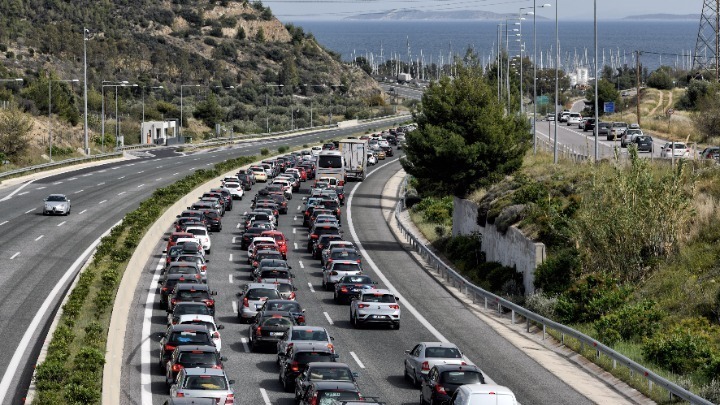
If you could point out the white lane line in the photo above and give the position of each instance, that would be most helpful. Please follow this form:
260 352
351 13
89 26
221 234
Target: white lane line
23 193
82 212
39 188
231 257
302 266
131 164
102 171
294 230
141 185
230 278
11 370
15 255
175 174
234 239
141 171
61 223
145 353
234 305
265 396
102 202
57 182
299 207
357 360
295 218
312 289
29 211
101 184
87 175
159 167
295 244
196 159
39 237
238 225
328 318
244 341
122 192
121 177
78 192
72 178
158 179
115 168
192 168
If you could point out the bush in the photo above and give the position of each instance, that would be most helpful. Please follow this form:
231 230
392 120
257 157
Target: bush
264 151
590 298
436 210
283 149
542 304
558 272
630 323
685 348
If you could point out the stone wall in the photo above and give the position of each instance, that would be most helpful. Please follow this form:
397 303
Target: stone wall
511 249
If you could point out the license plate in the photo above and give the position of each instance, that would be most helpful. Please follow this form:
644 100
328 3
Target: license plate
276 333
379 316
258 306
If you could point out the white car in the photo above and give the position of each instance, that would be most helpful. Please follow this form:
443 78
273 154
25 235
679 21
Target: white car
285 183
56 204
231 179
679 150
259 239
371 159
338 269
375 307
303 335
237 191
260 174
425 355
574 119
181 241
207 321
315 150
202 235
483 394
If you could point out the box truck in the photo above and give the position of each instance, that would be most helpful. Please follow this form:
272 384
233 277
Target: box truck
354 153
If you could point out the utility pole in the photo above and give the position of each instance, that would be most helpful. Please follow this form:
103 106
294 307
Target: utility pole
637 85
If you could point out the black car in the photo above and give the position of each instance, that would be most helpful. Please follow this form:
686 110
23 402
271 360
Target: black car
268 328
323 371
177 335
293 307
442 381
249 235
319 230
321 243
185 292
388 150
349 287
168 285
191 356
589 124
298 359
321 392
214 221
644 143
227 197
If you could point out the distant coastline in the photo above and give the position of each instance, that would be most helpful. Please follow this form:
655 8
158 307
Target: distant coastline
664 17
420 15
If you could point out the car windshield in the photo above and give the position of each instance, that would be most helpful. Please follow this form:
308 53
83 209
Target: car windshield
309 357
443 352
461 377
189 338
273 263
173 282
331 397
274 274
192 309
346 267
56 198
356 279
345 255
274 255
197 358
182 270
257 293
330 373
283 306
277 321
197 232
309 334
644 139
192 294
205 382
384 298
283 287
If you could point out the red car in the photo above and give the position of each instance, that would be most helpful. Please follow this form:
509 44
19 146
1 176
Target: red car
279 239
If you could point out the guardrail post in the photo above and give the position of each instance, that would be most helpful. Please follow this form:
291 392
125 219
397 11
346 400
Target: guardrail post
650 384
499 308
562 338
527 324
485 303
614 364
544 332
512 317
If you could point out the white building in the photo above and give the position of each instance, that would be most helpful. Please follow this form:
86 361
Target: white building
579 77
158 132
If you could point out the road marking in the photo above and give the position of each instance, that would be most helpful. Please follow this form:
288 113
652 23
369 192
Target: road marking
61 223
102 202
121 177
87 175
141 171
234 239
243 340
39 188
230 278
82 212
294 230
78 192
15 255
102 171
231 257
175 174
115 168
159 167
23 193
296 246
39 237
295 218
234 305
299 207
265 396
357 360
57 182
72 178
101 184
312 289
302 266
29 211
145 354
196 159
238 225
158 179
141 185
131 164
328 318
122 192
208 164
192 168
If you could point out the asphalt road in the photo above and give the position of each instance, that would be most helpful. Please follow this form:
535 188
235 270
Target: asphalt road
376 354
39 250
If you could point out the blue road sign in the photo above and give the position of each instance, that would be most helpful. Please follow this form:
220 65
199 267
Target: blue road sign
609 107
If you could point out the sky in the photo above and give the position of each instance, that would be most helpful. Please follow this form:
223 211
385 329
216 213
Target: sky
298 10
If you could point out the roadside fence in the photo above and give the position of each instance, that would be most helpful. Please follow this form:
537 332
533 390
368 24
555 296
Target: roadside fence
59 163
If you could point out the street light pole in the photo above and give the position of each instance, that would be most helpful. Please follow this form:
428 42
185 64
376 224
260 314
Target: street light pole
50 82
595 67
267 105
142 91
557 67
181 105
85 97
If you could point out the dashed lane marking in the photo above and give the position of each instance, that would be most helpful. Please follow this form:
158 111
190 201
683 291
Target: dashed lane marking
15 255
29 211
82 212
102 202
357 360
39 237
330 321
61 223
302 266
265 396
312 289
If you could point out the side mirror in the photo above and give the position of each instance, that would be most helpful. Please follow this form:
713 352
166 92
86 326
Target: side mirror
397 298
303 311
177 216
160 281
166 239
207 260
164 250
290 267
213 293
238 294
295 289
356 375
332 338
223 358
221 327
231 382
374 282
337 356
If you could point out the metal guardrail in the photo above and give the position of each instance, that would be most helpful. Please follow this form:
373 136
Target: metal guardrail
479 295
51 165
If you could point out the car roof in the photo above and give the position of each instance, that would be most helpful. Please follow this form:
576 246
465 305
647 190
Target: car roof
197 348
188 286
340 385
273 313
187 328
479 388
260 285
376 291
457 367
196 317
313 328
438 344
327 364
204 371
190 401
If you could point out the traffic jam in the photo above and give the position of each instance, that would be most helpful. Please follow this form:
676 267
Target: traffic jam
304 189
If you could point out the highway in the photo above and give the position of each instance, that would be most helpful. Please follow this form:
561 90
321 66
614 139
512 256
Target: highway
39 250
375 353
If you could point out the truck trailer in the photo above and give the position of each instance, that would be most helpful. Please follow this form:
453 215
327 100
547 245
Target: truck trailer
354 153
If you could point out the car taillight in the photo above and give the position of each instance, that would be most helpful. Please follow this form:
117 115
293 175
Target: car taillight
169 348
217 367
425 366
180 395
301 319
246 303
176 368
258 331
440 389
313 236
343 289
364 306
329 260
292 296
295 366
209 303
394 306
164 289
314 400
216 335
173 301
229 399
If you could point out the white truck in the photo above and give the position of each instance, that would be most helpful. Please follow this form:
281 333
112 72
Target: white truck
404 77
354 153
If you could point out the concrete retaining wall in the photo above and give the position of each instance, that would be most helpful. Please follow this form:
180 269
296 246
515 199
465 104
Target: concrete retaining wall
511 249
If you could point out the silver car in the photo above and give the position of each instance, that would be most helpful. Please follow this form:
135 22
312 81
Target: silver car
253 297
298 335
335 270
425 355
56 204
203 383
375 307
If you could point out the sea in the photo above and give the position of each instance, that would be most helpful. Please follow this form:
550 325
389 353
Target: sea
669 43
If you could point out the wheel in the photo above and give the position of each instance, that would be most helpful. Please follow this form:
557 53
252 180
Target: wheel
324 285
335 298
406 376
397 325
207 251
286 386
422 399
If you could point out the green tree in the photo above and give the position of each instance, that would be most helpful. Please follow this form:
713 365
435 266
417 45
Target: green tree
660 79
696 91
14 128
706 117
209 111
464 140
606 93
260 36
288 74
363 63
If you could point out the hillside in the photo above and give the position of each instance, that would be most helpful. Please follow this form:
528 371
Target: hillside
231 49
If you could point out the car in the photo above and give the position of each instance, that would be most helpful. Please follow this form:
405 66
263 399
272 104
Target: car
189 269
378 307
204 320
444 379
224 194
349 287
196 258
581 124
589 125
319 230
184 292
250 234
550 117
286 305
177 335
634 126
674 149
280 239
371 159
268 328
297 359
201 234
272 275
321 392
56 204
167 286
563 116
604 130
187 308
258 241
629 137
343 253
172 254
644 143
298 335
426 355
617 130
711 152
204 383
323 371
335 270
483 394
237 190
327 245
266 254
315 150
192 356
573 118
252 299
260 173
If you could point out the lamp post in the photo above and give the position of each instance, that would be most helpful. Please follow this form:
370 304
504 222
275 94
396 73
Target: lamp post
267 105
341 85
114 84
535 75
142 91
181 106
85 97
50 82
522 49
311 101
557 70
595 67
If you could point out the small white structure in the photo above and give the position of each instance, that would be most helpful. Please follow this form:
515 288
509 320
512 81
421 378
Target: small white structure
579 77
158 132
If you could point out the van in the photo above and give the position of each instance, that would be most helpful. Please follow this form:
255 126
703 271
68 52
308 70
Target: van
483 394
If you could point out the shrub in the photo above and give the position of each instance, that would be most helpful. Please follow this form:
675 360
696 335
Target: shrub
283 149
264 151
630 322
590 298
542 304
558 272
685 348
81 394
